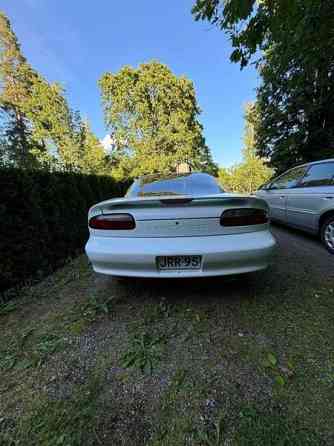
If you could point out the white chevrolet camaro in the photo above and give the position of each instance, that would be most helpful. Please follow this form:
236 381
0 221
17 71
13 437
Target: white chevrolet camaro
179 226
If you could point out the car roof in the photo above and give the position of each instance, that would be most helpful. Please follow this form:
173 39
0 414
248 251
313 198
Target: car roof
311 163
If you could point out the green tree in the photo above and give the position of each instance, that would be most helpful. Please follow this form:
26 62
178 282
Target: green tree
252 172
38 128
153 116
93 158
50 116
293 44
36 112
16 135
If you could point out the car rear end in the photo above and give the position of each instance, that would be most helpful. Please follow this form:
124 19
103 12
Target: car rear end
180 236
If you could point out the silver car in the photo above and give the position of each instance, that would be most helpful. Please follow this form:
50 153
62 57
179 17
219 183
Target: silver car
303 197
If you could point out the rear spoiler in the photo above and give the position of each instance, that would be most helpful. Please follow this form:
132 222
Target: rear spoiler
182 200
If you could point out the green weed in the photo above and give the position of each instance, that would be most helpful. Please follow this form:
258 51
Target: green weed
212 437
7 308
144 352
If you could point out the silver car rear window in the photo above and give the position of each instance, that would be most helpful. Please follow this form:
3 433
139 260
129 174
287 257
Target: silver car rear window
188 184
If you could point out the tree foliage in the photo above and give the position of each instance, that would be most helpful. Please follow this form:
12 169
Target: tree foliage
153 116
38 128
93 158
293 41
252 172
15 135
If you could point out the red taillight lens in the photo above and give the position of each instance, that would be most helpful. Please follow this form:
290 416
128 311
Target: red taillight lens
243 217
112 221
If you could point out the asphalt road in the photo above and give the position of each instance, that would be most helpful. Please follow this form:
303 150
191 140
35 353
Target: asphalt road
305 252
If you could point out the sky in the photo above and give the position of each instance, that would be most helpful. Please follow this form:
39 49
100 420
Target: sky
74 42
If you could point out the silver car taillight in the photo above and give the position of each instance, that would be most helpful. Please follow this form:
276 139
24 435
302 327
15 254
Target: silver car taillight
243 217
112 222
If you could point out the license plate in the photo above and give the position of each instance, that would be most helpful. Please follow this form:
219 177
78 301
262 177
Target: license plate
179 262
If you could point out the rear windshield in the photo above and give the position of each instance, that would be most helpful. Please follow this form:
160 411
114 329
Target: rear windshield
191 184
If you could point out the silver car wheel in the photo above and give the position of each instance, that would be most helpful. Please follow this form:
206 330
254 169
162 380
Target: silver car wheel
329 235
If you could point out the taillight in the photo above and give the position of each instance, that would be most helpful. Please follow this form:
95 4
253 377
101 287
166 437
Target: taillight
112 221
243 217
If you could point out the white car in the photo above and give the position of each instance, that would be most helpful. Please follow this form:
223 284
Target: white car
179 226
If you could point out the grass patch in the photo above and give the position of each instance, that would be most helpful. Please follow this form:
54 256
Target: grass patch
156 311
144 352
182 420
84 313
272 428
175 423
214 436
7 308
95 306
30 351
222 363
69 422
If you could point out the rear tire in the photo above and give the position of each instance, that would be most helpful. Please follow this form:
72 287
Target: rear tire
327 234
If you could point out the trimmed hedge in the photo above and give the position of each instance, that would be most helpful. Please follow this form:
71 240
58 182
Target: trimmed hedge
43 219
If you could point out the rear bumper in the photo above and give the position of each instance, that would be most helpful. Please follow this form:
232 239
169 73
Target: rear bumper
221 255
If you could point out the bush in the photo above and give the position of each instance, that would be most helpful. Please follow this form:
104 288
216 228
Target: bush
43 219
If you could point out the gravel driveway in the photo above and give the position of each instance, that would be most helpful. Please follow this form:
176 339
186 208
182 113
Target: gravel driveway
165 361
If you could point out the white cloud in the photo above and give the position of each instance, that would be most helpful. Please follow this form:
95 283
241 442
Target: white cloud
108 143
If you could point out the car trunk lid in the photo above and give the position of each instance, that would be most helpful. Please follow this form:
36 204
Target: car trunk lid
179 216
